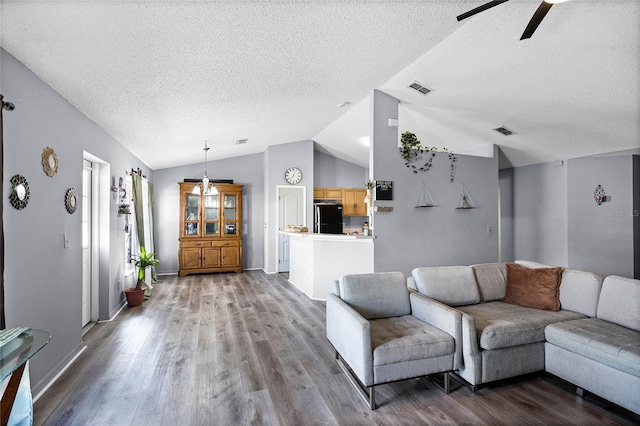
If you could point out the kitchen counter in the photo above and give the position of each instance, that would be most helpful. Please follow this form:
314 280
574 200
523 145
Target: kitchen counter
328 236
317 260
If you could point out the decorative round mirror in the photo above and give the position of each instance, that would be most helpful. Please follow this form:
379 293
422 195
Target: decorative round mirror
49 162
19 196
71 200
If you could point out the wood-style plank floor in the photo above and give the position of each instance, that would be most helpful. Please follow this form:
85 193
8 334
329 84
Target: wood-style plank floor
240 349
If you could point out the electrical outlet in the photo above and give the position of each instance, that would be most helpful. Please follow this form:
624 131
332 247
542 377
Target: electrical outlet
491 229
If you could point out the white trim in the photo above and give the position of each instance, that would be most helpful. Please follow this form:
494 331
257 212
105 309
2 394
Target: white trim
60 373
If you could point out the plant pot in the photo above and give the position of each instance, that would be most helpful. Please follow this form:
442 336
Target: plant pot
134 297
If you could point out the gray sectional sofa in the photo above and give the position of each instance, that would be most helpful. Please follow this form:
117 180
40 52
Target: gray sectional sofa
593 340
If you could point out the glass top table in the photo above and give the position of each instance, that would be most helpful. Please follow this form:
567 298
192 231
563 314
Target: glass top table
18 351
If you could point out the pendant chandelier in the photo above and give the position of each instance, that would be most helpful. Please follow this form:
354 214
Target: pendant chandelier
205 187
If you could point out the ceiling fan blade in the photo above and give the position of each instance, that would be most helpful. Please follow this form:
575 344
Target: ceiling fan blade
480 9
536 19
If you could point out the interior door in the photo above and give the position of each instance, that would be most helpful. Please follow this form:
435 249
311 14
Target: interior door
290 212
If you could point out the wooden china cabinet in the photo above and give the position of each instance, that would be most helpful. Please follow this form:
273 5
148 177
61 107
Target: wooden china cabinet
210 229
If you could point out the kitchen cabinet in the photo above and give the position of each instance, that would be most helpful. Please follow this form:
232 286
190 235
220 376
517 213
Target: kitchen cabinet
327 194
210 229
353 202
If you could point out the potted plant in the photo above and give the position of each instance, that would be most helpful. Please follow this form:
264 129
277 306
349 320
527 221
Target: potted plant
411 151
135 295
369 185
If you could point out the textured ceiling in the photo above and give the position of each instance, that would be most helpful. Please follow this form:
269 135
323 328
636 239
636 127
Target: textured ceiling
163 76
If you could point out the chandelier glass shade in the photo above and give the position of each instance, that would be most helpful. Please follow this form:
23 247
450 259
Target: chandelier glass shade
205 187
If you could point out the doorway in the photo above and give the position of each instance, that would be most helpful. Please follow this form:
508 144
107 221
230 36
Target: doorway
291 211
93 218
87 276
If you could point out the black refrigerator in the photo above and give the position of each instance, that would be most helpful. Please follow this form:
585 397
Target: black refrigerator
327 218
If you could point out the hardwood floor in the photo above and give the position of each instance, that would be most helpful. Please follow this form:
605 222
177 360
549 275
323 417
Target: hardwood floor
239 349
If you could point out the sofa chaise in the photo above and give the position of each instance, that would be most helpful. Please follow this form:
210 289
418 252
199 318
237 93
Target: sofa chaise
524 317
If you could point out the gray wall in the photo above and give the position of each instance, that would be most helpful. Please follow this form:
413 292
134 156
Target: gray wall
601 237
409 237
278 158
246 170
42 279
555 219
540 213
506 227
331 172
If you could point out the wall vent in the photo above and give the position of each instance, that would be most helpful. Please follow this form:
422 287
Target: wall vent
420 88
504 130
241 141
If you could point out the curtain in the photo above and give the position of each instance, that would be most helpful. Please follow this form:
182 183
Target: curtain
2 321
138 207
144 210
154 274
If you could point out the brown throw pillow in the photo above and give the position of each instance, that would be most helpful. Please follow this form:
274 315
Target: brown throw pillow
534 288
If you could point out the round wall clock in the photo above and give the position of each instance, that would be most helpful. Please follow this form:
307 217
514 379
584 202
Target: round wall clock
71 200
49 162
293 175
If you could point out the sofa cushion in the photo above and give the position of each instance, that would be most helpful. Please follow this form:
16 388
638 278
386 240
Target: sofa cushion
532 265
406 338
579 291
599 340
452 285
492 280
376 295
534 288
502 325
620 301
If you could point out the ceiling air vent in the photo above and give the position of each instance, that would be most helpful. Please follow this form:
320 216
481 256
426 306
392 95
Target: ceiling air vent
241 141
504 130
420 88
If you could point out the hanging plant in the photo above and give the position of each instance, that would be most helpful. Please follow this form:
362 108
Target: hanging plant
412 150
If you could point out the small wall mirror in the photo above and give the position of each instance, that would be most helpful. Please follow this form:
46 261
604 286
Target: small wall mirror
19 196
49 162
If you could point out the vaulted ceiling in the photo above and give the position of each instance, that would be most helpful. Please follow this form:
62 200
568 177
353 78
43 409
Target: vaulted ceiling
162 77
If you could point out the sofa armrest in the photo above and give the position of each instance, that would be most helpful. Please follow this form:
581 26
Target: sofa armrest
350 334
471 356
440 316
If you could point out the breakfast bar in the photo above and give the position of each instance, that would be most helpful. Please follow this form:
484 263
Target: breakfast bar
317 260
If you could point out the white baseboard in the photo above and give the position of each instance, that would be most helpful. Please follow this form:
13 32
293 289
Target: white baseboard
60 373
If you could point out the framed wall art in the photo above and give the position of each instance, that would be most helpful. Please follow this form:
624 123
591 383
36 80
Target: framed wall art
384 190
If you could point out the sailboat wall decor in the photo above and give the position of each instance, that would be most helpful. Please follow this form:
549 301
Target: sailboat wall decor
424 198
465 202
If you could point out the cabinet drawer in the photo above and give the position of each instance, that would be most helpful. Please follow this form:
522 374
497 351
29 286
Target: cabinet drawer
196 244
232 243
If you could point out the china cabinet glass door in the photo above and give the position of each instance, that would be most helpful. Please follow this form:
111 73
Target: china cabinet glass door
211 215
192 214
230 214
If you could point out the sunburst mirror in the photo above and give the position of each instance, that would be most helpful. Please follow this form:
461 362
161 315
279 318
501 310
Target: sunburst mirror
19 196
71 200
49 162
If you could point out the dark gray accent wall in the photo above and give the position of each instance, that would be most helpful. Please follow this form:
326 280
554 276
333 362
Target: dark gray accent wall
601 237
42 278
246 170
410 237
331 172
540 213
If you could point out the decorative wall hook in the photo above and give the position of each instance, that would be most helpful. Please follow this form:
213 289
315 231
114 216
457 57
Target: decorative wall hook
599 195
